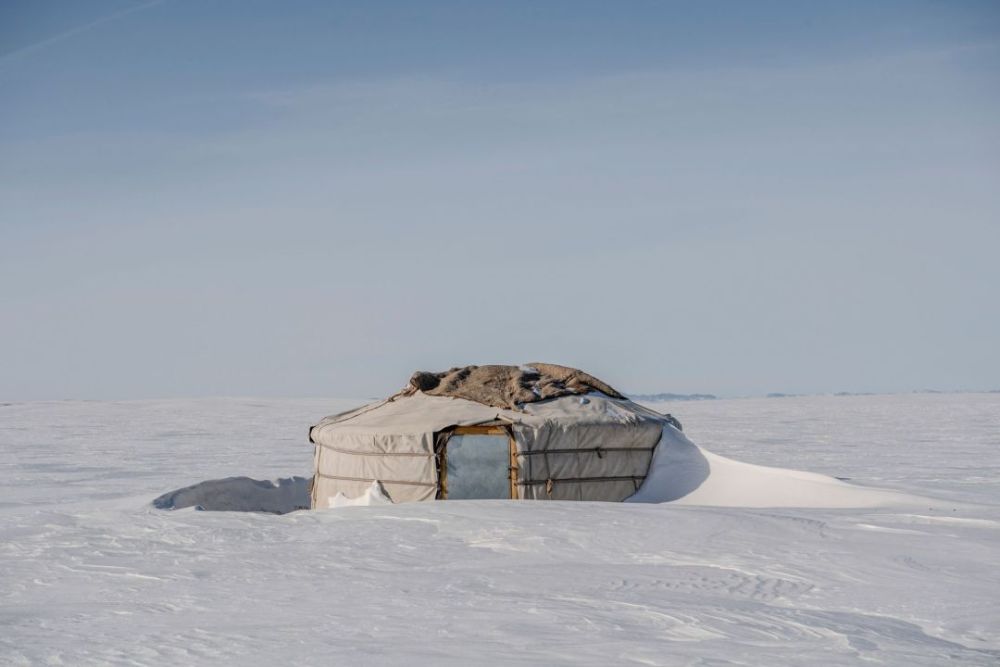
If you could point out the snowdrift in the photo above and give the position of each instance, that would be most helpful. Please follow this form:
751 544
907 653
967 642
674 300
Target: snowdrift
685 474
374 495
240 494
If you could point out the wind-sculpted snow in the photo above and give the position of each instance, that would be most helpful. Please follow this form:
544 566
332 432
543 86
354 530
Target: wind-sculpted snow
92 573
683 473
373 495
240 494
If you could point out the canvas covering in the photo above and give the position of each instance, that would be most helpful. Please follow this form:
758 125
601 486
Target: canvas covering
572 447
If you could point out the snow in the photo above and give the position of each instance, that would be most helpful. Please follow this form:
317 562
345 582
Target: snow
92 573
240 494
685 474
373 495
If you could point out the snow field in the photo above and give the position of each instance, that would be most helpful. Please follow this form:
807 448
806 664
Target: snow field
92 573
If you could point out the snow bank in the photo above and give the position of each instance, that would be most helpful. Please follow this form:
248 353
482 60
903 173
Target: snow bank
240 494
685 474
373 495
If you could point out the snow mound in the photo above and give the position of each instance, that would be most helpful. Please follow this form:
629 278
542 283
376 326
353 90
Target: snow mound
684 474
373 495
240 494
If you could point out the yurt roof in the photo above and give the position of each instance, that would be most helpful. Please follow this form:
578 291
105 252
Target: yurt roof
573 401
509 387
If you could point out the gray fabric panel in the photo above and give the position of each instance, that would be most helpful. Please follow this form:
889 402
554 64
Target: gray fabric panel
410 415
581 410
607 490
395 468
400 493
340 471
640 433
421 413
571 465
545 463
379 465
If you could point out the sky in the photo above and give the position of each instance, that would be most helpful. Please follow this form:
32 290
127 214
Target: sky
263 198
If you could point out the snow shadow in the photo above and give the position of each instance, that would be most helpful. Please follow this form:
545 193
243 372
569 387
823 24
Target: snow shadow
240 494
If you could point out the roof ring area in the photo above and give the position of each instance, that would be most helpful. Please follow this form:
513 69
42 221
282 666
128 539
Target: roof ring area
507 387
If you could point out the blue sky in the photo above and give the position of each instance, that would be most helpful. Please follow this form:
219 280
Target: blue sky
298 198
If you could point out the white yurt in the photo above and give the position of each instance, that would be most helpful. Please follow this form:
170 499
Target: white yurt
532 432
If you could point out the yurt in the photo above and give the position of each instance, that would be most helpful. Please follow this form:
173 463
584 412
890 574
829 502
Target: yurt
532 432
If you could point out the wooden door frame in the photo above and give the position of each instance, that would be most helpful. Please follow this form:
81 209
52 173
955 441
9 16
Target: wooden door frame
480 429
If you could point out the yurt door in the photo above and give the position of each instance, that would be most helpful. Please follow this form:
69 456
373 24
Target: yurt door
477 464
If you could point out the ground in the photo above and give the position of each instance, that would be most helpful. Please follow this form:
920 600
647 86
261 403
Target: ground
92 573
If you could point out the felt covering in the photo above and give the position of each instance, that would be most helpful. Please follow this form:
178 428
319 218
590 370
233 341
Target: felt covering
574 445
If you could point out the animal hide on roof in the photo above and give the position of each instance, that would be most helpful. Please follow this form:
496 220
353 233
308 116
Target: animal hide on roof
507 386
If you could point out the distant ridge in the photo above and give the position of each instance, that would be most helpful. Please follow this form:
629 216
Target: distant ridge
668 396
672 397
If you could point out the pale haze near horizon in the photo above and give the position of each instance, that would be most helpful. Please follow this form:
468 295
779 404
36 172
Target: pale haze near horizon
289 199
